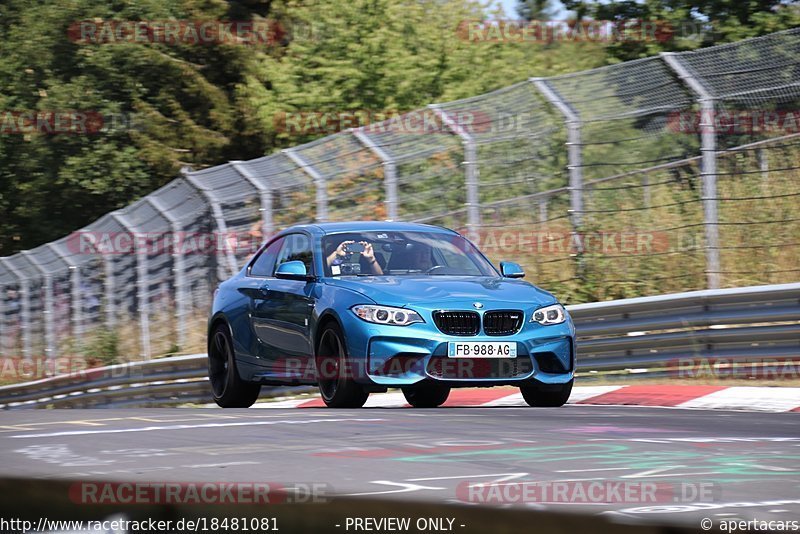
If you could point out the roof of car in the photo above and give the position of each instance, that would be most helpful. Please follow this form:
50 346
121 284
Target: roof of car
370 226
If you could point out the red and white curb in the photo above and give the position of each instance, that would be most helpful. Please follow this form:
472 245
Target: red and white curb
762 399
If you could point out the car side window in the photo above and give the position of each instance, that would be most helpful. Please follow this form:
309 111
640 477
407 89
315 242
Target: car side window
265 262
458 261
296 247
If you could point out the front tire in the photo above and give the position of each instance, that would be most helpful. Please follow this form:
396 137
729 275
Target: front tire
544 397
337 388
228 389
426 396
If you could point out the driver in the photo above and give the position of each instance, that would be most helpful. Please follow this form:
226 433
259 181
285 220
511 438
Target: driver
369 262
419 257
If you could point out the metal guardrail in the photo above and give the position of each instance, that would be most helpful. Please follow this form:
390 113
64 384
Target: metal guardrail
646 336
750 323
161 382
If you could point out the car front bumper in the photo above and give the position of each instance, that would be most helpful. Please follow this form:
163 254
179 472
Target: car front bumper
393 356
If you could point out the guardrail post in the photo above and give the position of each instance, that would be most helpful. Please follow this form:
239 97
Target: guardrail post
226 251
47 312
470 166
265 196
389 172
178 267
25 308
142 282
574 154
708 171
319 182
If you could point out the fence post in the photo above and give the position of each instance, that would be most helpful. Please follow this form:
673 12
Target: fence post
3 336
24 309
763 164
265 197
543 210
219 220
319 182
74 293
389 172
109 288
142 282
47 311
574 154
178 267
708 170
470 166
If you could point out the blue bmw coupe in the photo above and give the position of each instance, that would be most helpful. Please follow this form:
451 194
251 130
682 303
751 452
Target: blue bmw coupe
361 307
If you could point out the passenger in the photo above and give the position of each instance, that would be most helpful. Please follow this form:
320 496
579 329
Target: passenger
369 263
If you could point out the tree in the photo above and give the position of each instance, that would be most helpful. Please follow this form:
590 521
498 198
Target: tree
388 56
154 107
689 24
535 9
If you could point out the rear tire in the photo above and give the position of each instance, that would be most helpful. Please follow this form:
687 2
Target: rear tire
538 397
426 396
337 388
227 388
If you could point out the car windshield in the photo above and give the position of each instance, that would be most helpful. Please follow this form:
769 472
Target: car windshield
402 253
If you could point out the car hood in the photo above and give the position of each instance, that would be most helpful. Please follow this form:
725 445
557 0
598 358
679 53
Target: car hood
433 292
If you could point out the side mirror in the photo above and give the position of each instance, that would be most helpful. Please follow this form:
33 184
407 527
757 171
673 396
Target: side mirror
292 270
509 269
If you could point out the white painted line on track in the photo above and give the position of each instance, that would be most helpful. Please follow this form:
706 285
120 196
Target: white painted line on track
749 398
288 403
515 399
189 427
587 392
394 399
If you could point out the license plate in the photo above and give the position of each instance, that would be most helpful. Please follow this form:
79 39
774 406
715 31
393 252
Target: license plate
481 349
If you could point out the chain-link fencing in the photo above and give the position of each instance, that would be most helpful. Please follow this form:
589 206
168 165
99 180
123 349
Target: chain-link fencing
669 173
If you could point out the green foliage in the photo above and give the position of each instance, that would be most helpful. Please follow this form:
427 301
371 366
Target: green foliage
536 9
101 348
164 106
690 24
384 55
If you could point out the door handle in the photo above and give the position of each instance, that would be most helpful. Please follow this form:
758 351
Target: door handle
260 292
263 291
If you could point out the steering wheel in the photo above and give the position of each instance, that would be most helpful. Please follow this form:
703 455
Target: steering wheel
435 268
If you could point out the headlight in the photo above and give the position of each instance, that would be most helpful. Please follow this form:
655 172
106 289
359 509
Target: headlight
387 315
548 315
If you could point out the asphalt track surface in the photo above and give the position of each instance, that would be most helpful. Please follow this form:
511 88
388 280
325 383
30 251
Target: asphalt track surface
748 464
